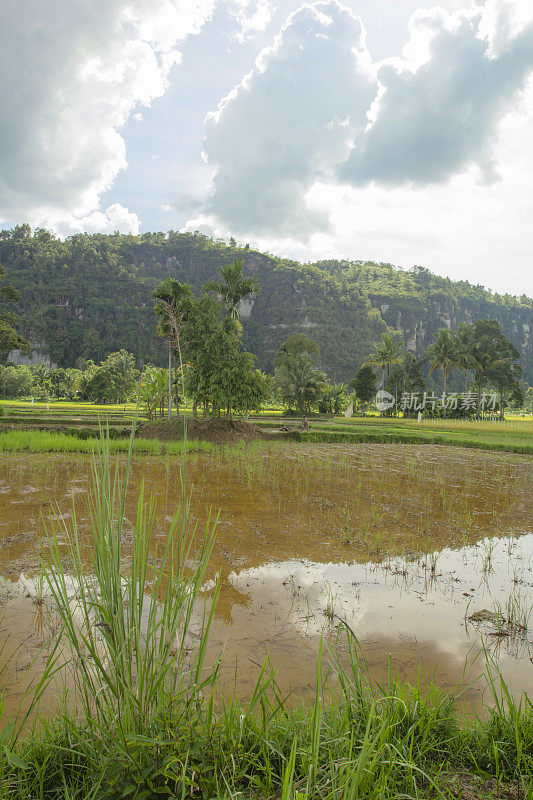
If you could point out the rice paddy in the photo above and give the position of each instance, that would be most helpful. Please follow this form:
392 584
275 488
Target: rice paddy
359 624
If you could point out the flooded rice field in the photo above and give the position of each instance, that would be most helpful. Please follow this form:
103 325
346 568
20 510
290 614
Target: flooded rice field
425 552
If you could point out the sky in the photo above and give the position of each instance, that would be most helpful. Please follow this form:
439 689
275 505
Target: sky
358 129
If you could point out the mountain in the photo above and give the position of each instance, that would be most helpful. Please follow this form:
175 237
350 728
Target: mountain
90 295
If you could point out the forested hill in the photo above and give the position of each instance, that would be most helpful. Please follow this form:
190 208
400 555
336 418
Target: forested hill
90 295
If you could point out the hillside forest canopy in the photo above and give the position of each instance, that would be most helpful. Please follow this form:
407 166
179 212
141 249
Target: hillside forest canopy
208 362
80 305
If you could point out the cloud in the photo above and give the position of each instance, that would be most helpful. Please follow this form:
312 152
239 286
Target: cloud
114 218
252 16
290 122
439 117
316 110
72 73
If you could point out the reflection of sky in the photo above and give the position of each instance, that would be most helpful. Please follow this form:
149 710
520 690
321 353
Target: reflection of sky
401 600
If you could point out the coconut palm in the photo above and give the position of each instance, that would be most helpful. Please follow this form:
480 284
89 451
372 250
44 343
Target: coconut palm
442 354
391 350
233 288
153 389
300 382
465 345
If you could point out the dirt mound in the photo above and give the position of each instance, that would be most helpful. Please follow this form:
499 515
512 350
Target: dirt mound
217 431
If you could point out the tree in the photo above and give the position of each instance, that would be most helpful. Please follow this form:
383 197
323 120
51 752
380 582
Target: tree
442 354
364 385
465 341
300 383
333 398
173 299
10 338
233 288
153 389
390 350
295 373
15 381
296 345
505 376
113 381
220 374
496 358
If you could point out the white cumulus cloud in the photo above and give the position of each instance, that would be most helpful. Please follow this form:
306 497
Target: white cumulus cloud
440 117
71 74
317 111
290 122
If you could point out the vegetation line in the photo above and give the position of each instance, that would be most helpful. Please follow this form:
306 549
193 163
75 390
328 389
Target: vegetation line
408 437
48 442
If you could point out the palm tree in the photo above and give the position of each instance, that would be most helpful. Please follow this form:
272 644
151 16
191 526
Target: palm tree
153 389
442 354
172 298
391 350
300 382
387 352
465 345
233 288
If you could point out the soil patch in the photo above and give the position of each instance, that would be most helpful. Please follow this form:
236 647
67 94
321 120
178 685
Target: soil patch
216 431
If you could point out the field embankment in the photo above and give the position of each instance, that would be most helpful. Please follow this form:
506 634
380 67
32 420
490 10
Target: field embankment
514 437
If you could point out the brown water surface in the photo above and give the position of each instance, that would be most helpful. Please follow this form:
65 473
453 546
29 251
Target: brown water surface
402 542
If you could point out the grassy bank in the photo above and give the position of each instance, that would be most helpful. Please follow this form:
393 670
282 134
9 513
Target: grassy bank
48 442
150 721
514 437
393 742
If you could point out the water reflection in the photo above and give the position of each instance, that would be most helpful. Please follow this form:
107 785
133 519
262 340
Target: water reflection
402 542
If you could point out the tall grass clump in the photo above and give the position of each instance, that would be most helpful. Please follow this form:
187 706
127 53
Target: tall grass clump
126 636
127 631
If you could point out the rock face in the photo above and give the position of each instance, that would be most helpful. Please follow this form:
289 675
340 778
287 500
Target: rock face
36 357
418 325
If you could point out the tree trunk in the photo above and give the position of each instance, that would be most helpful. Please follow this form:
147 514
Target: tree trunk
169 381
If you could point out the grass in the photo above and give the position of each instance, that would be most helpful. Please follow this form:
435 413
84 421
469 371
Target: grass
148 721
515 436
48 442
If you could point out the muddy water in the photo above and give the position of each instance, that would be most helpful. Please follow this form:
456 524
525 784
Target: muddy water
403 543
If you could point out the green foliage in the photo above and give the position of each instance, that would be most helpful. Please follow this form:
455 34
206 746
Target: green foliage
297 345
300 383
51 442
15 381
364 385
10 337
233 288
219 373
113 381
443 354
90 295
389 351
333 398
